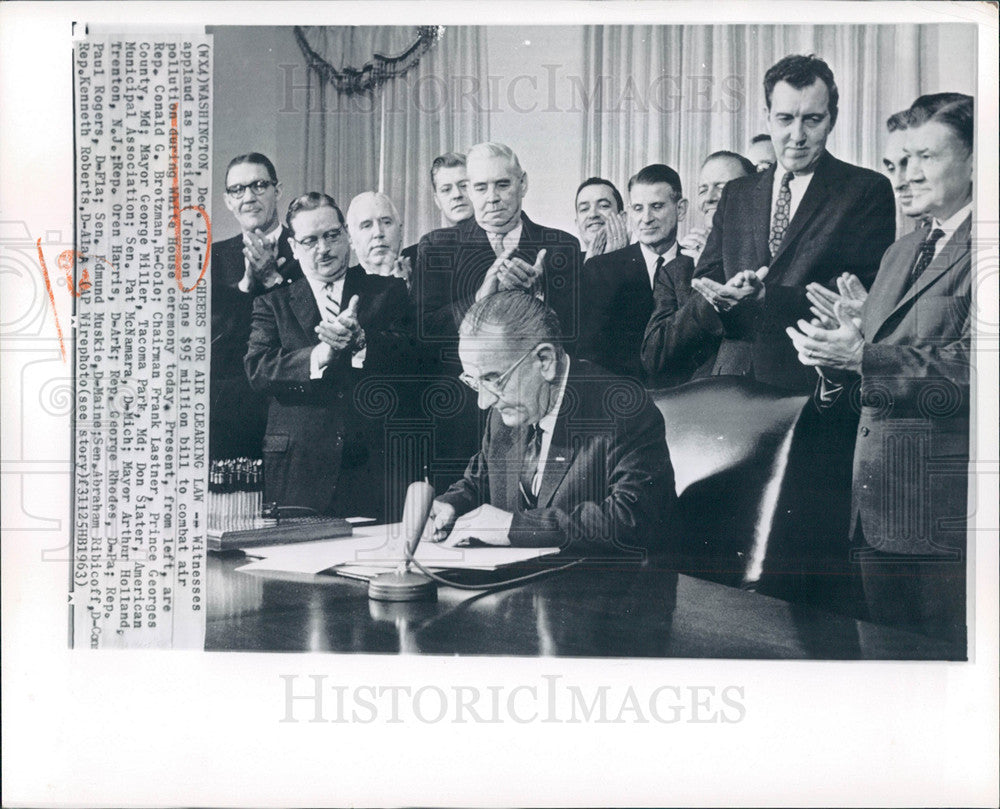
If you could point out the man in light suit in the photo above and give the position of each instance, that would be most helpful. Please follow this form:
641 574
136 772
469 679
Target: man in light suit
909 340
809 218
257 260
312 342
618 286
571 457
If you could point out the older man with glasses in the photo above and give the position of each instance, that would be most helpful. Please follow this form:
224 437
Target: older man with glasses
571 457
256 260
312 343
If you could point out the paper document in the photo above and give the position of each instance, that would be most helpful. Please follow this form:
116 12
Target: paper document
382 546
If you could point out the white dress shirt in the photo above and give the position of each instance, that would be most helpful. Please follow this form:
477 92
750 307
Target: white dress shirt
797 186
949 226
505 241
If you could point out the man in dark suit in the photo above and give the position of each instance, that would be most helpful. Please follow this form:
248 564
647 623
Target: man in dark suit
499 249
571 456
255 261
808 218
312 342
676 349
618 286
910 345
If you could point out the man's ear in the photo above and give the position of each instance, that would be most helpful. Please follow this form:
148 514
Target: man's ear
277 190
524 183
548 358
682 209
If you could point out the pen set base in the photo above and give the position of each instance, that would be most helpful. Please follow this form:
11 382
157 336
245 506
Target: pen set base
402 586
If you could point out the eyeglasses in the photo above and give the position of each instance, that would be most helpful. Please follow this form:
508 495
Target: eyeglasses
331 236
495 383
257 186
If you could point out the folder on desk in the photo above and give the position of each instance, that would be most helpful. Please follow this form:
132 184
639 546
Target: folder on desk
379 548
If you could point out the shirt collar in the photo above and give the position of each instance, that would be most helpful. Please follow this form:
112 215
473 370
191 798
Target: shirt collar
512 238
951 224
650 257
318 287
272 236
547 423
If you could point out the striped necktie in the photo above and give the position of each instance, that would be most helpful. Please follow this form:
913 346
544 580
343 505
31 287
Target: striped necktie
332 305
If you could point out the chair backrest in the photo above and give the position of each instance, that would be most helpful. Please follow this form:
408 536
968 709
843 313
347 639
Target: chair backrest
729 440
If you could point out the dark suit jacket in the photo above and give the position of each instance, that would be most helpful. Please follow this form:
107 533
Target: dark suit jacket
676 349
608 486
619 301
912 451
844 223
315 428
452 263
237 415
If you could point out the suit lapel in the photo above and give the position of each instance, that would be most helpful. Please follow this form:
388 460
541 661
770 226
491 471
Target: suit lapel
954 251
558 462
815 196
760 211
303 306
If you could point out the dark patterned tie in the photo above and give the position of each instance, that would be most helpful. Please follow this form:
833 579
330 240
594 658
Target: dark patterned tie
779 224
529 467
926 253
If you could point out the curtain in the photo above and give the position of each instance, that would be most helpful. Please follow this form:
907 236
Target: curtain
386 138
674 94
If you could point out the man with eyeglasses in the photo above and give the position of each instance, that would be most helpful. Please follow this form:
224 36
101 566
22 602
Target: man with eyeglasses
312 343
571 456
256 260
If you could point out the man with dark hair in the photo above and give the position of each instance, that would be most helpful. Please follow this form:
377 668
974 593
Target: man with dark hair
600 217
571 457
312 342
619 287
761 152
253 262
450 184
716 170
775 232
910 345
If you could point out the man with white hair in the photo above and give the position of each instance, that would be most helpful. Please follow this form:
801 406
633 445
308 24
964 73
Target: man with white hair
376 231
498 249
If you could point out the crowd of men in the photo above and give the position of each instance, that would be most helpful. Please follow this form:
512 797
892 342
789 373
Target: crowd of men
796 282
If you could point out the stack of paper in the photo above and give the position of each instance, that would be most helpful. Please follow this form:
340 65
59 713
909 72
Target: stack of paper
376 548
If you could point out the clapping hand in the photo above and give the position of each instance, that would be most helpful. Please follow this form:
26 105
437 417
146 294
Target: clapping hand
840 347
261 256
744 286
343 330
852 294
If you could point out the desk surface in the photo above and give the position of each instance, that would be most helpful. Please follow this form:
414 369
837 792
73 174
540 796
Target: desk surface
586 611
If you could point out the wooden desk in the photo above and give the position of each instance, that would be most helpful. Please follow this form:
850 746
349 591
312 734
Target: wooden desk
583 612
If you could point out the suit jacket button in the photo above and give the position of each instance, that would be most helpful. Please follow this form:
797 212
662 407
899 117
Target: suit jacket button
340 395
864 431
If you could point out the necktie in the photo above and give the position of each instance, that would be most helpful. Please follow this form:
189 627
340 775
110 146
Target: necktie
529 466
332 305
779 224
656 270
926 253
498 243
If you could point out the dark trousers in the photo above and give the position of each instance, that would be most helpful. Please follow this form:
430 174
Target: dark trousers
924 594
